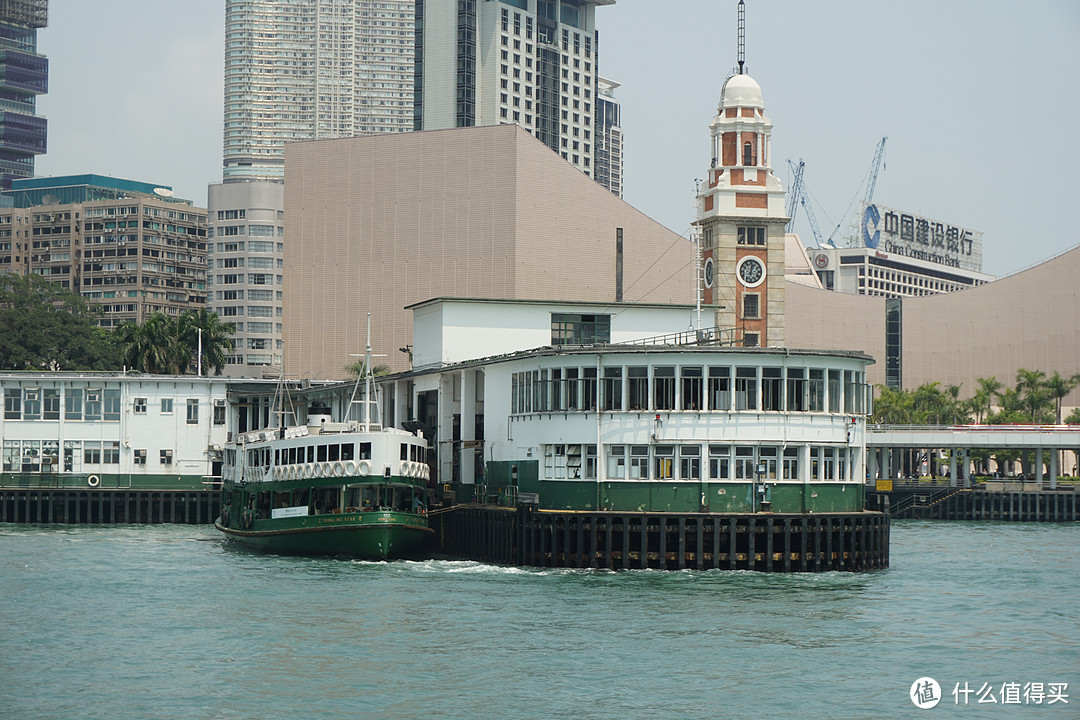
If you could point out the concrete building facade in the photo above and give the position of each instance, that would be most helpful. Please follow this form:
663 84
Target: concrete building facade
127 247
382 222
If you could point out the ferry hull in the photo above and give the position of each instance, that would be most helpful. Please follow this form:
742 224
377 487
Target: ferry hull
366 541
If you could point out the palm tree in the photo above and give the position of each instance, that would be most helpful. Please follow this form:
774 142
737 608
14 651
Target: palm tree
216 339
1031 386
983 398
151 347
1058 387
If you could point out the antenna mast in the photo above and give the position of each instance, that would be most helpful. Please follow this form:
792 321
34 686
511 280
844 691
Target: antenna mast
742 37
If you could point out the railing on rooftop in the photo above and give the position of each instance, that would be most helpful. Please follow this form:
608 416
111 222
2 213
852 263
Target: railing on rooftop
704 336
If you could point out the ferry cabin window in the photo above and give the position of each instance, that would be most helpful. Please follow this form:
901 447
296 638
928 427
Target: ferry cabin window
365 451
746 388
404 451
320 455
335 453
637 388
612 389
310 453
816 401
719 461
719 388
772 384
690 389
664 388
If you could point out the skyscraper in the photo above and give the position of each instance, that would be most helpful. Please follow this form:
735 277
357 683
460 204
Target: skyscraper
24 74
528 62
311 69
609 150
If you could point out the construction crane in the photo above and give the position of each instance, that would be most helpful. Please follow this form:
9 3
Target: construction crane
797 196
875 165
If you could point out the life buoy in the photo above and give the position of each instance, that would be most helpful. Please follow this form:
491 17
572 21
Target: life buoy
365 468
316 470
338 469
93 481
404 469
350 468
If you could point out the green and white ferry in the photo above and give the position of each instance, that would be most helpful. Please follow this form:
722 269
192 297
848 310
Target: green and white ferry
350 488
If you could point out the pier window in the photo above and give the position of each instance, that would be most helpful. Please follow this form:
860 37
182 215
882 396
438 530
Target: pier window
111 404
558 390
50 400
815 463
767 459
834 391
573 402
791 463
166 406
50 456
12 456
192 411
829 462
111 452
165 458
796 389
93 405
32 404
637 388
690 387
690 462
574 329
772 389
72 450
219 412
841 463
639 462
588 388
589 454
664 387
73 404
13 404
816 390
31 456
139 406
616 462
719 388
849 391
92 452
665 462
744 463
612 389
719 461
746 391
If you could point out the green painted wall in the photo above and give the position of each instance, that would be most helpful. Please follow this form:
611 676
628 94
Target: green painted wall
105 480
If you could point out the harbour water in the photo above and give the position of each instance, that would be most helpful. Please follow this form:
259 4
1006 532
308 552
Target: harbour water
169 621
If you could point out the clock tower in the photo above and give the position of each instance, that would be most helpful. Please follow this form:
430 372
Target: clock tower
741 216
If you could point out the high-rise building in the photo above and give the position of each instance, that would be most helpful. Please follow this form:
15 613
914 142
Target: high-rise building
24 74
245 278
528 62
311 69
609 144
128 247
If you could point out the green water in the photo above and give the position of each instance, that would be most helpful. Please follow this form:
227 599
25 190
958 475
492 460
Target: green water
170 622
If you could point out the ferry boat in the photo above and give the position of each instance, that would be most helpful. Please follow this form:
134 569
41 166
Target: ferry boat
349 488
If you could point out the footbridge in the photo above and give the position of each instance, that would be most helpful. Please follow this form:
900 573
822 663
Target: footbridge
887 445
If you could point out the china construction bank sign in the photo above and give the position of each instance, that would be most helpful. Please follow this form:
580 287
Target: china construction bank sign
893 231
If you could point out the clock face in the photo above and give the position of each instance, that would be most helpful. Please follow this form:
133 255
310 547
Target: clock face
751 271
709 273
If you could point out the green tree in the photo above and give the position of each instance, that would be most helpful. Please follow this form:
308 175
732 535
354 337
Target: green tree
359 369
169 346
1057 387
1031 387
43 326
983 399
1074 417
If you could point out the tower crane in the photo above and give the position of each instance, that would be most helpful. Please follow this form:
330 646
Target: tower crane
797 197
875 165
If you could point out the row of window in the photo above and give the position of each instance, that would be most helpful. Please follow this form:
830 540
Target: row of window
689 387
88 404
32 456
696 462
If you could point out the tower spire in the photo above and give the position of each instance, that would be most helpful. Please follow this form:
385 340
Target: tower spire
742 37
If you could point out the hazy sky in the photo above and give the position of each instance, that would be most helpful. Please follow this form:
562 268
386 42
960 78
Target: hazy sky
979 101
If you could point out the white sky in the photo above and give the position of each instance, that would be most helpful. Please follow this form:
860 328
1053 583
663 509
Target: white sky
979 101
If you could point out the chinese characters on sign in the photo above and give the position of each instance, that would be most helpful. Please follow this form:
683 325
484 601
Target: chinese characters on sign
921 238
1011 693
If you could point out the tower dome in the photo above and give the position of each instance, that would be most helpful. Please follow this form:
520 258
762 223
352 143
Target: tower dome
741 90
